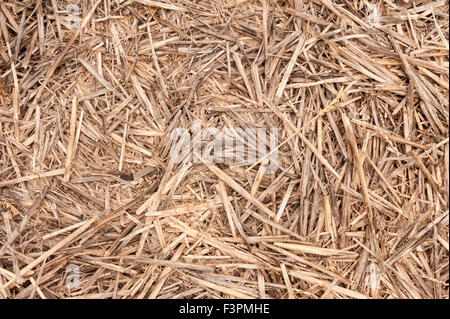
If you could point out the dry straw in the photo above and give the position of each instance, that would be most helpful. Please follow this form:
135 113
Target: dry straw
91 205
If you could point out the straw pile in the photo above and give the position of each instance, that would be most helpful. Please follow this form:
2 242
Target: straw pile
358 91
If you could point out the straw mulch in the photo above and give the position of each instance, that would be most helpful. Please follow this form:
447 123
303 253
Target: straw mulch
360 195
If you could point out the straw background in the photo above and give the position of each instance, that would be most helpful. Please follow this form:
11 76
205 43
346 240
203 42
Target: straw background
358 207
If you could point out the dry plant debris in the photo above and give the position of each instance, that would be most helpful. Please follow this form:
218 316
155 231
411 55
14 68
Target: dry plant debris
91 91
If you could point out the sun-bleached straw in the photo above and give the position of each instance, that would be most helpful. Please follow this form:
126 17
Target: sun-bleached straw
331 106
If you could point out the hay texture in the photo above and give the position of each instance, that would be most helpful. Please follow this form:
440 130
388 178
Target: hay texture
93 206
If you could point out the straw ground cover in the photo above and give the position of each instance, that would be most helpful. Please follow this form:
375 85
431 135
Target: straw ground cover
93 206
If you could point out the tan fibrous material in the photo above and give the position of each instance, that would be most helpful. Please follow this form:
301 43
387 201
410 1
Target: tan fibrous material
92 206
